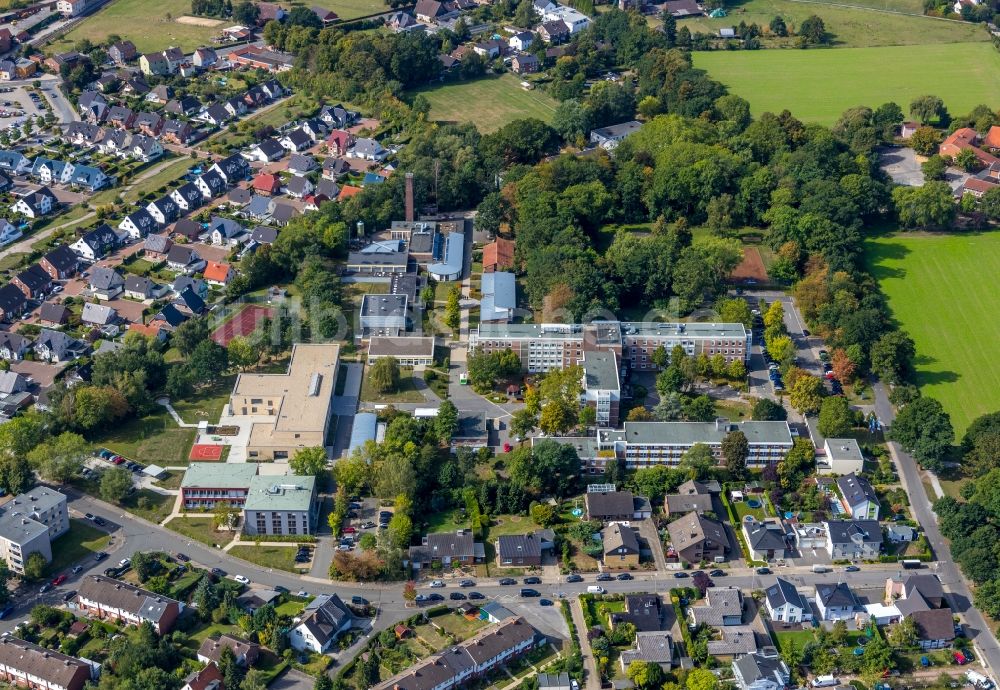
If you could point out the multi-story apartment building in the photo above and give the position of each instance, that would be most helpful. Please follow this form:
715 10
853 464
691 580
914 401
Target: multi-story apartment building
543 347
25 664
281 505
645 444
28 524
205 484
601 386
104 598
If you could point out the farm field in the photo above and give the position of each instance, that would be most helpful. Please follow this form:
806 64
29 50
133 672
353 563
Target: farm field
936 291
490 102
850 27
151 26
818 85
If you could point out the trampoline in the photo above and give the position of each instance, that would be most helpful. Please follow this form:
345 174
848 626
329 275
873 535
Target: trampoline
754 503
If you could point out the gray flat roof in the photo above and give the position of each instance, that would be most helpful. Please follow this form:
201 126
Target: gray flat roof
600 371
688 433
40 498
20 527
383 305
364 429
693 329
843 449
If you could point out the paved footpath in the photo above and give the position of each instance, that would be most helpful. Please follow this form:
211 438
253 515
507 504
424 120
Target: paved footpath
593 681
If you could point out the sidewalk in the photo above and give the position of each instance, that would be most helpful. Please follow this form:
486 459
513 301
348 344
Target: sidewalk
593 681
165 402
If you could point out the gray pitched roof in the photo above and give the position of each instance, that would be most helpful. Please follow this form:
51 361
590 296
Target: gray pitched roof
102 278
839 595
783 592
856 489
849 531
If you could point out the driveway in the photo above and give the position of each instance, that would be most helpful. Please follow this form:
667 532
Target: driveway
901 165
292 680
40 372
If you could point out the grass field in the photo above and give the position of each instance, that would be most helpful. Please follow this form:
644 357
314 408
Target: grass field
850 27
280 557
937 292
818 85
79 542
201 529
490 102
349 9
151 26
152 440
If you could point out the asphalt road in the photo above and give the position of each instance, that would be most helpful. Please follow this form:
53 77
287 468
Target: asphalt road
960 596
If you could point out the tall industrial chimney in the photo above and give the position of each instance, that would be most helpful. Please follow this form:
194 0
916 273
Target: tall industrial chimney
409 197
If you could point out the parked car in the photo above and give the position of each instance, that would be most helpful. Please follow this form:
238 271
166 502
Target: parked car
77 569
680 574
125 562
605 577
100 556
69 595
476 595
434 596
59 580
349 530
181 557
45 588
545 602
242 579
851 569
508 581
89 516
528 592
436 584
573 577
533 580
457 596
625 576
100 521
763 570
467 583
718 573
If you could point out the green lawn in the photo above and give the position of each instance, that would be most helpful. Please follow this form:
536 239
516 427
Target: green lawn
490 102
799 637
281 557
79 542
818 85
349 9
172 480
201 529
940 292
208 403
150 505
407 392
152 440
151 26
850 27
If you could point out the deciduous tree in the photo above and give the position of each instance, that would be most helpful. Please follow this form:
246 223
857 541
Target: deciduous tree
115 483
384 375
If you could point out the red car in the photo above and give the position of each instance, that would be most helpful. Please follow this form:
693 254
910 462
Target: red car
118 459
507 447
348 530
960 658
59 580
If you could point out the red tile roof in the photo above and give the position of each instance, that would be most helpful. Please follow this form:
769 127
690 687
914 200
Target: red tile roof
992 138
267 183
217 272
498 254
347 191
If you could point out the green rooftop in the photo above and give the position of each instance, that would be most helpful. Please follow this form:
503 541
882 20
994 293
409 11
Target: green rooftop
219 475
282 492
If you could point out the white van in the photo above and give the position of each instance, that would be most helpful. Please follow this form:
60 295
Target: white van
595 589
820 569
824 681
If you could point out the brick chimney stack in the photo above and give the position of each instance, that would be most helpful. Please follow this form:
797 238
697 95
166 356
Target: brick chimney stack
409 197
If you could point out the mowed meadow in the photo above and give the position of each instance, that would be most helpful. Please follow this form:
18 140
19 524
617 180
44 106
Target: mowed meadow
941 290
818 85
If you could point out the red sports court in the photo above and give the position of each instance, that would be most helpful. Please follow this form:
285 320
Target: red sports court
202 452
243 323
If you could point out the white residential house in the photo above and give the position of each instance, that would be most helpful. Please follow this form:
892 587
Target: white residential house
368 149
785 604
324 619
858 497
8 232
836 602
